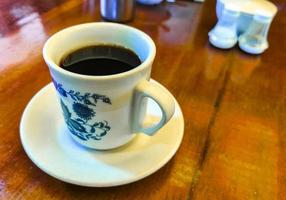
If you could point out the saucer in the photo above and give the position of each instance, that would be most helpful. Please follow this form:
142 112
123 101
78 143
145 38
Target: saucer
47 143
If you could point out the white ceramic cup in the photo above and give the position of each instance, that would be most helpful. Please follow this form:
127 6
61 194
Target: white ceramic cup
104 112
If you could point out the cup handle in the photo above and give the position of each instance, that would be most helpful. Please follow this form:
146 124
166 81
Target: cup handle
161 97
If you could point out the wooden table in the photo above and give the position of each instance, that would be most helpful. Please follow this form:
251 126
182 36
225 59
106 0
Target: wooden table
234 145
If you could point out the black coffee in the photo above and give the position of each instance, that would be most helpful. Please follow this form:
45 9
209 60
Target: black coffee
100 60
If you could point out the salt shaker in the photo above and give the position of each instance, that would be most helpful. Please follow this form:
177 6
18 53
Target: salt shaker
117 10
224 34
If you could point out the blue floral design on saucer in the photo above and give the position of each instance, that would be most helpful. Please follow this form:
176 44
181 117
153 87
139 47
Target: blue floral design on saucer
80 122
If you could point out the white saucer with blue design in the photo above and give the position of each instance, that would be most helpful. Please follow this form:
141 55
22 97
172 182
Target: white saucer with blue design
47 143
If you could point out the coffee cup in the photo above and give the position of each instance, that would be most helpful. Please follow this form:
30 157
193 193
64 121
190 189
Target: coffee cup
105 112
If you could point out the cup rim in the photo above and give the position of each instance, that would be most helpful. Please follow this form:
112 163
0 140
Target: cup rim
142 66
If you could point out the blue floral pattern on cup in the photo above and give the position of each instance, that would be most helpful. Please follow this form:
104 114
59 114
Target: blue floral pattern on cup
81 123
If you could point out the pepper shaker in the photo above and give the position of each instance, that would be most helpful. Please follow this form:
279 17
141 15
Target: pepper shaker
117 10
254 40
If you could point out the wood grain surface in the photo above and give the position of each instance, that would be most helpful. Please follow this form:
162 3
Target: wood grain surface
234 145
